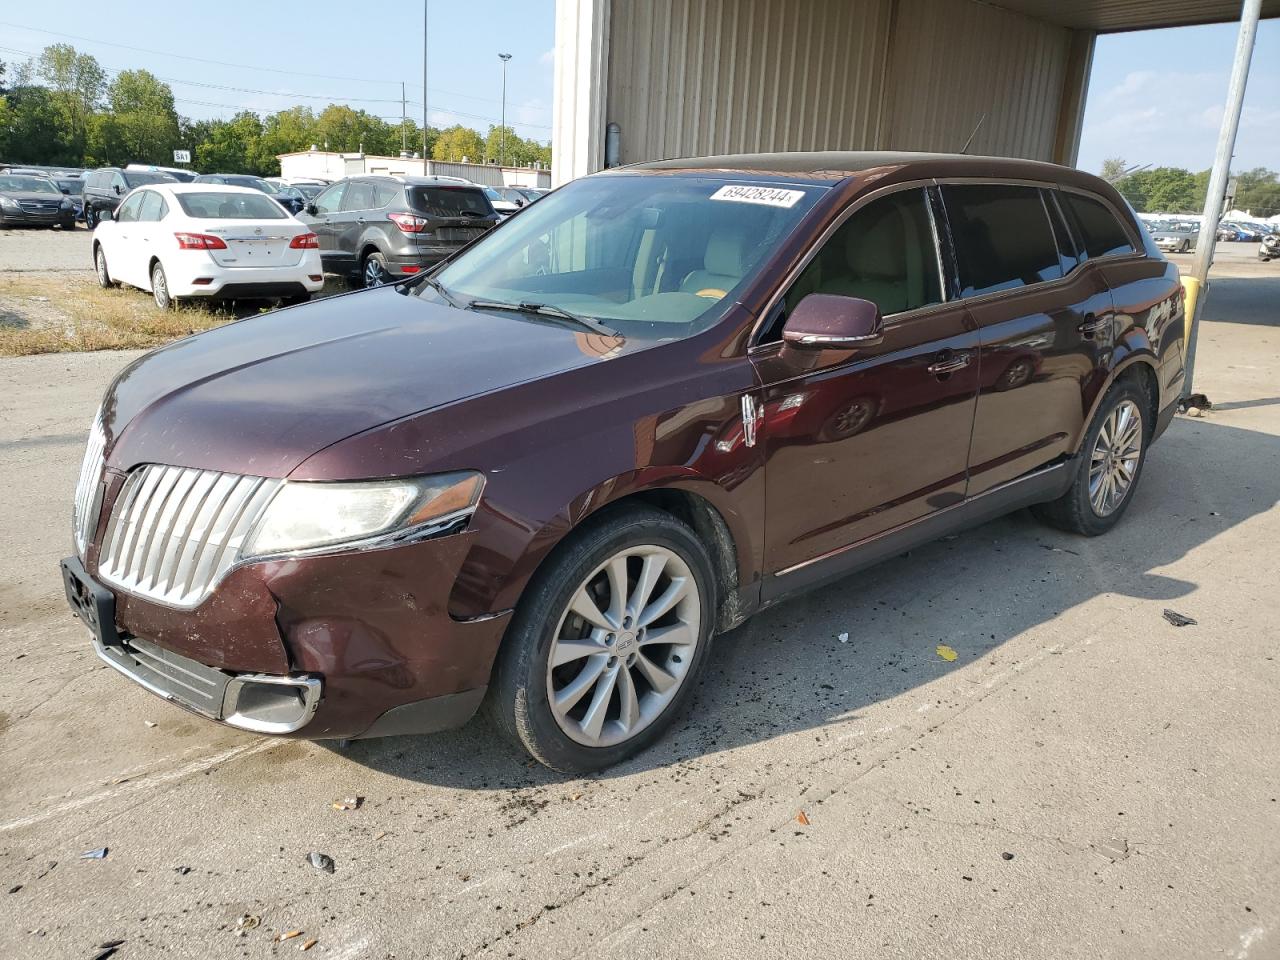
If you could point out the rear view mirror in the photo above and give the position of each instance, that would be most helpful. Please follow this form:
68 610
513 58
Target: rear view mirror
822 321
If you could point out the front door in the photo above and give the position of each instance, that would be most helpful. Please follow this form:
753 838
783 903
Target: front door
860 442
326 205
125 256
1045 322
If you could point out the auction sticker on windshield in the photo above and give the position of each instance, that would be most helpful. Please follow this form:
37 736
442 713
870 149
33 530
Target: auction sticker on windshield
770 196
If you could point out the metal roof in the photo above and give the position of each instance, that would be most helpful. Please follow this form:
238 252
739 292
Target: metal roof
1110 15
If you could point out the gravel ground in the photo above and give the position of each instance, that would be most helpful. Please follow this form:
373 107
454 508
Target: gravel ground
23 249
1084 781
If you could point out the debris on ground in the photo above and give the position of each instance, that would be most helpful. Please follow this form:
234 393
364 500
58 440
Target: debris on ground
105 952
99 854
321 861
182 871
802 819
1178 620
150 723
248 922
1117 848
844 638
1006 855
309 944
383 833
946 653
289 935
348 803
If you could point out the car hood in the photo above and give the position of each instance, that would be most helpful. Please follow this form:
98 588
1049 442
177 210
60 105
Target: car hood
261 395
33 195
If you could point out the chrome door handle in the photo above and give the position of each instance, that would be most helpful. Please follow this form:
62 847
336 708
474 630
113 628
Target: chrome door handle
1092 325
948 365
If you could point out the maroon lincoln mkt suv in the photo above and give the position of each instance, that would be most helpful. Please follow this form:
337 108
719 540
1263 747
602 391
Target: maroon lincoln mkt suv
542 476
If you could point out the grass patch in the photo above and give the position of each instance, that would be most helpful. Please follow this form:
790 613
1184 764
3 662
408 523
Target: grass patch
76 314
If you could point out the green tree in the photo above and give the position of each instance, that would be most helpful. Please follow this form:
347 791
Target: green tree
345 129
1173 190
1258 191
234 146
288 131
35 129
457 143
140 126
77 82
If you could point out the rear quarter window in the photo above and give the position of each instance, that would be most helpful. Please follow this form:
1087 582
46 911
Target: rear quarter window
1003 239
451 201
1097 227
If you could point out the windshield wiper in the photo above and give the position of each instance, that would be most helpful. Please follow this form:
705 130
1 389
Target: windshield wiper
438 287
546 310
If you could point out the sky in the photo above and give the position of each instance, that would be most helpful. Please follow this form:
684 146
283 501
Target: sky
234 55
1155 97
1158 96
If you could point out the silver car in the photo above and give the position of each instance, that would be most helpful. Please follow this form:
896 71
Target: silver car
1174 239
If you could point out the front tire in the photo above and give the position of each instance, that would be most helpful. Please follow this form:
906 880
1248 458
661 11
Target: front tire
1109 465
606 646
90 217
160 288
100 268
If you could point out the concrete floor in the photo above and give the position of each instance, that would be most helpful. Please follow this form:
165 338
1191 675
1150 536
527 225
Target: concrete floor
1085 780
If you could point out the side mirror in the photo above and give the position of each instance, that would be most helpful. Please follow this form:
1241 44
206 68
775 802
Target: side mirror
311 209
822 321
117 189
106 214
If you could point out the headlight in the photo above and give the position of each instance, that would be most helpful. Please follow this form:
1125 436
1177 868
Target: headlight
312 515
9 203
66 203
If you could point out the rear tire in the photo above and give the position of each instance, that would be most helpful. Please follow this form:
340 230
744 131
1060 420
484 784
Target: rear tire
160 288
374 272
620 677
90 217
1109 465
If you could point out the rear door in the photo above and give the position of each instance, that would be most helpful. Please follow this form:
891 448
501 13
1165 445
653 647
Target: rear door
1044 320
326 205
860 442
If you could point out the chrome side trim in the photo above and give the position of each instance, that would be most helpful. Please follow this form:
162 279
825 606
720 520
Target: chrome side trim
967 502
751 417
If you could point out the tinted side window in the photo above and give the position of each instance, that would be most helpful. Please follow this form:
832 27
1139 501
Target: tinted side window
883 253
1067 254
1096 225
151 206
359 196
118 181
128 211
331 199
384 193
1002 237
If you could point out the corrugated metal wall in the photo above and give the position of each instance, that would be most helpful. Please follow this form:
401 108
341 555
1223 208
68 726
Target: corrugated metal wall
689 77
697 77
951 61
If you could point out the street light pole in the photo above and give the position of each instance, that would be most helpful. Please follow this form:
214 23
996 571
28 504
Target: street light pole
1249 14
502 150
425 158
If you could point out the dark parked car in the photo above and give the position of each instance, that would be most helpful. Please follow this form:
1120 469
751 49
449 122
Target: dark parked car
30 201
547 474
377 229
105 187
73 189
286 196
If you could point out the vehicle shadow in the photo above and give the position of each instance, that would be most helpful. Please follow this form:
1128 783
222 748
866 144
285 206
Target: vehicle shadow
787 670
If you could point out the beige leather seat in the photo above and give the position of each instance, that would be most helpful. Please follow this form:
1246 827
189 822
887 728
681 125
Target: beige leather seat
882 262
724 263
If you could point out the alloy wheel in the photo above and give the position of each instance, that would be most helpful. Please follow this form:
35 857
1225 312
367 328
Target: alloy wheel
623 646
104 278
1114 461
374 275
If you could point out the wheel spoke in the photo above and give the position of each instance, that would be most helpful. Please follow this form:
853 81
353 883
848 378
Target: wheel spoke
566 651
629 715
593 719
586 608
566 698
616 572
678 635
650 571
676 591
659 679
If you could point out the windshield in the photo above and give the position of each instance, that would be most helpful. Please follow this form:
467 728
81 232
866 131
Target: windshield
657 256
225 205
71 186
255 183
492 194
22 184
308 190
135 178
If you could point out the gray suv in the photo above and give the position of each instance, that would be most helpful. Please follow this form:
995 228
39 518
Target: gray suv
379 229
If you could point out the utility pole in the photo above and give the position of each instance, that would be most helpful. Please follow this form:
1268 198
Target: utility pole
425 158
1249 14
502 151
404 144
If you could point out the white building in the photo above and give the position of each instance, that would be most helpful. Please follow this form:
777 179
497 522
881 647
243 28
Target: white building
326 165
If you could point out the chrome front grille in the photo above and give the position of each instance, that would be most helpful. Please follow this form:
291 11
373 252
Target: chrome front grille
84 512
175 531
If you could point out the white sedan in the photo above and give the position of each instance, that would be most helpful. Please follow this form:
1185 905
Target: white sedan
180 240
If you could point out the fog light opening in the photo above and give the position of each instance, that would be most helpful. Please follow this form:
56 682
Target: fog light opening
269 704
